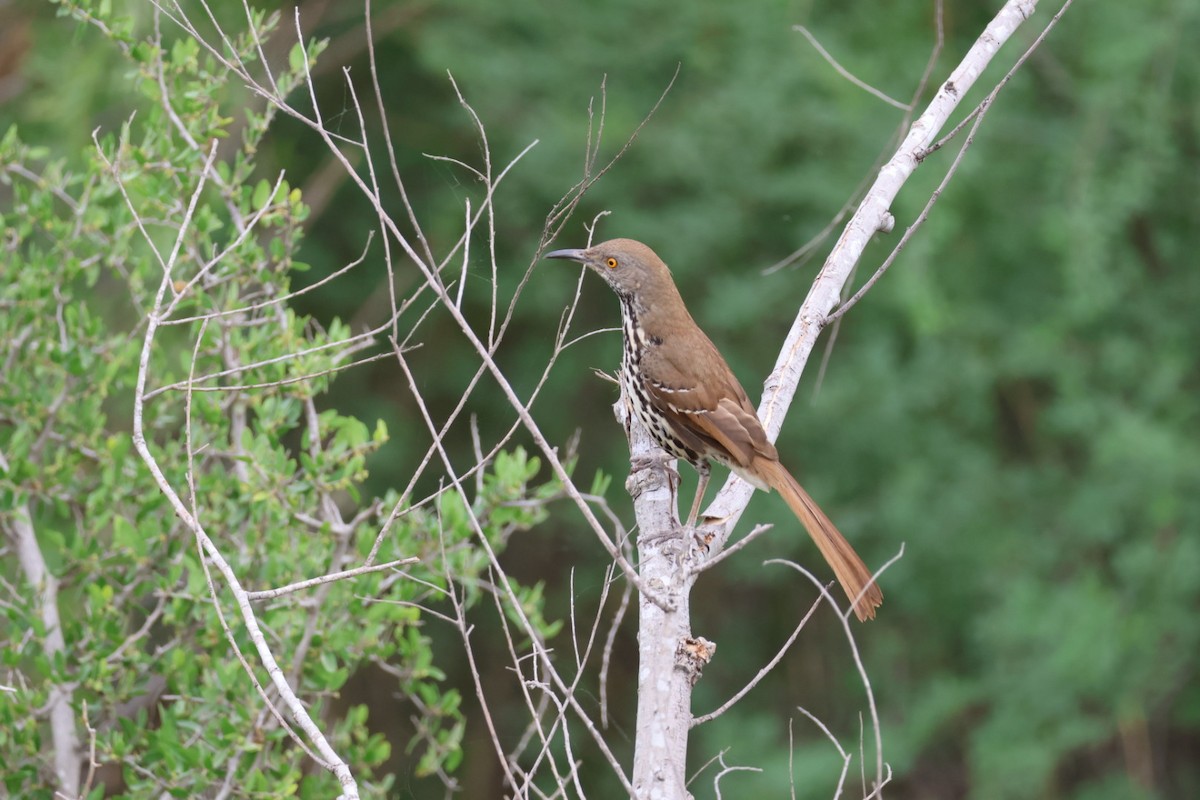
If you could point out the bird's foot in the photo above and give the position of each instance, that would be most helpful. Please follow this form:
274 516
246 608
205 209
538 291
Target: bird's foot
659 460
659 538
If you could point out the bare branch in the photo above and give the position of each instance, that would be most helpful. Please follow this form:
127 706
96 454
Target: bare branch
871 215
978 115
63 736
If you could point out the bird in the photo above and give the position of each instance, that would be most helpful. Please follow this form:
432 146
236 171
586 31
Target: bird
684 393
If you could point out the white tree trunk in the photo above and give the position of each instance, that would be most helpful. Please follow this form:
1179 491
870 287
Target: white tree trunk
670 658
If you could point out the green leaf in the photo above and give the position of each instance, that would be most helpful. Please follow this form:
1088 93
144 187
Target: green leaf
127 536
296 58
262 194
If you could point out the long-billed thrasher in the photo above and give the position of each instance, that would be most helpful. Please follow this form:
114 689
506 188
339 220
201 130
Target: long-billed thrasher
687 397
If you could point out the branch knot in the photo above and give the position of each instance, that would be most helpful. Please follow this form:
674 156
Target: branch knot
692 655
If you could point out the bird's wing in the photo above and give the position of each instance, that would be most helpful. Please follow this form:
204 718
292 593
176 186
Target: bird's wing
714 421
705 400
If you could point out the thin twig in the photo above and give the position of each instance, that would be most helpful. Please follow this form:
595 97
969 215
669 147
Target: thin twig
328 757
506 586
853 644
845 73
762 673
845 756
267 594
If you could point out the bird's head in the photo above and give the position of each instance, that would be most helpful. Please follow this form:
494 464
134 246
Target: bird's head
629 267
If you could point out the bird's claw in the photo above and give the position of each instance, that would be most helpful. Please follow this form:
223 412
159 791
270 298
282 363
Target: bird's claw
657 461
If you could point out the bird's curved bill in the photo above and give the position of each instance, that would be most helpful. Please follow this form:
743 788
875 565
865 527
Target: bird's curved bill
573 255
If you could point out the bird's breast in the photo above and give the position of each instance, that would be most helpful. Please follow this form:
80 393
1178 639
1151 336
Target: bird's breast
632 332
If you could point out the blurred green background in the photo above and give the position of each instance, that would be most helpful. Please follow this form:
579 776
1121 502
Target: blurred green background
1015 402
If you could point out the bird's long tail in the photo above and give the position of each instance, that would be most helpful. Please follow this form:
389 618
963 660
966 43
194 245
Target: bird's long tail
850 570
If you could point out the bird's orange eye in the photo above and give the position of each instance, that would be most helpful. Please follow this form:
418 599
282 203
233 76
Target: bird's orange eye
611 262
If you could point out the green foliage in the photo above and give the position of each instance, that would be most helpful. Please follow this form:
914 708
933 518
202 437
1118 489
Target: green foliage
171 709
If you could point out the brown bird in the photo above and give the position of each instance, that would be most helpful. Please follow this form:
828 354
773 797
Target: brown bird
688 398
